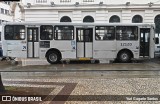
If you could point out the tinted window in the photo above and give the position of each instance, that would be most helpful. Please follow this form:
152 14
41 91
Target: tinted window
126 33
14 32
105 33
84 35
46 32
64 32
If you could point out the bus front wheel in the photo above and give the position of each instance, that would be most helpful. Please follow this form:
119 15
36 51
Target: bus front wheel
124 56
53 57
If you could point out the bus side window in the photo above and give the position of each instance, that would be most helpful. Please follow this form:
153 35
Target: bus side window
64 32
17 37
98 37
105 33
14 32
46 32
9 36
105 37
126 33
132 36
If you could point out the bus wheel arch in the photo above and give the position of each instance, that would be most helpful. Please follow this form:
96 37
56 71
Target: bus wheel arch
125 55
53 56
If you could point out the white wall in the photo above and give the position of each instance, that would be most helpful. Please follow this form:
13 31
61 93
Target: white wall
17 14
4 16
95 2
44 12
99 16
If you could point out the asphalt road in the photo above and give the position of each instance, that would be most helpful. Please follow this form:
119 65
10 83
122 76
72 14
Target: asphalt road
141 69
85 83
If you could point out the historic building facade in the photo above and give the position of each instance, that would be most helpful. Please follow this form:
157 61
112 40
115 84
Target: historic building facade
5 13
98 11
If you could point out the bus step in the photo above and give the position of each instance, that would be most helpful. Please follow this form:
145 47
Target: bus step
105 61
32 61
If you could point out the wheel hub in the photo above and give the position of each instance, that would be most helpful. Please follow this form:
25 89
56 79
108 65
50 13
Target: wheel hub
124 56
53 57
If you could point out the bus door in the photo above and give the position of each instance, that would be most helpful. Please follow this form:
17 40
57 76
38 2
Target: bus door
84 42
144 41
33 42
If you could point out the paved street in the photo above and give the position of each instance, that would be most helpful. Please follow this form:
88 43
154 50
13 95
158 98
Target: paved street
88 81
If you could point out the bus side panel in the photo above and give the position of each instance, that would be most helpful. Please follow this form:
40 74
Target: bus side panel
104 49
152 43
133 46
66 47
16 49
42 52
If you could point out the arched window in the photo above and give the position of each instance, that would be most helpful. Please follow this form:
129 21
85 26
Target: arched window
137 19
114 19
88 19
65 19
157 23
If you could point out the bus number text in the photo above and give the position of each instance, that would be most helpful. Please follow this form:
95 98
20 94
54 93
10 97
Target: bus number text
126 44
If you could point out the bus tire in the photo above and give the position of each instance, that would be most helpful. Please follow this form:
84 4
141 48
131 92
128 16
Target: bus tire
124 56
53 57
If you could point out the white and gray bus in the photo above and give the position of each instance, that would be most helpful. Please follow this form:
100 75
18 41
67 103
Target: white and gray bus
66 41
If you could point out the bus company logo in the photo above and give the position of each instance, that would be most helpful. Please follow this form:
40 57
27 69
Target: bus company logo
24 47
6 98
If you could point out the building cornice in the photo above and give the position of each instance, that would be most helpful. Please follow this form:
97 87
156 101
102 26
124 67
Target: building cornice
92 7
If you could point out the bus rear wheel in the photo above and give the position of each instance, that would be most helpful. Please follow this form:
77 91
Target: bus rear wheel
53 57
124 57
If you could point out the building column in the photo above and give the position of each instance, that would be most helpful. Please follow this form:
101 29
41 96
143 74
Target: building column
55 16
77 17
148 18
101 16
126 16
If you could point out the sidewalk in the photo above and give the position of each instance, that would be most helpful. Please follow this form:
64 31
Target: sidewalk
30 61
92 87
37 61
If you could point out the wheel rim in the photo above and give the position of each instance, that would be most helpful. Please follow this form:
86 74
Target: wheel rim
124 56
53 57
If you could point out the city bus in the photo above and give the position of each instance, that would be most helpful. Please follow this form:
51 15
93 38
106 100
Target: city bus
66 41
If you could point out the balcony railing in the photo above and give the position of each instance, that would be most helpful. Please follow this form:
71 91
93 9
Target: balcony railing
88 0
65 1
41 1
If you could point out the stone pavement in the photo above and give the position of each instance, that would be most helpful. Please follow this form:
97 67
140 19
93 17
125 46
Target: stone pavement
88 83
91 87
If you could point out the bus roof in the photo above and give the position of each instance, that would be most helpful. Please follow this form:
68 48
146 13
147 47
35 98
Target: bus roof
78 24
